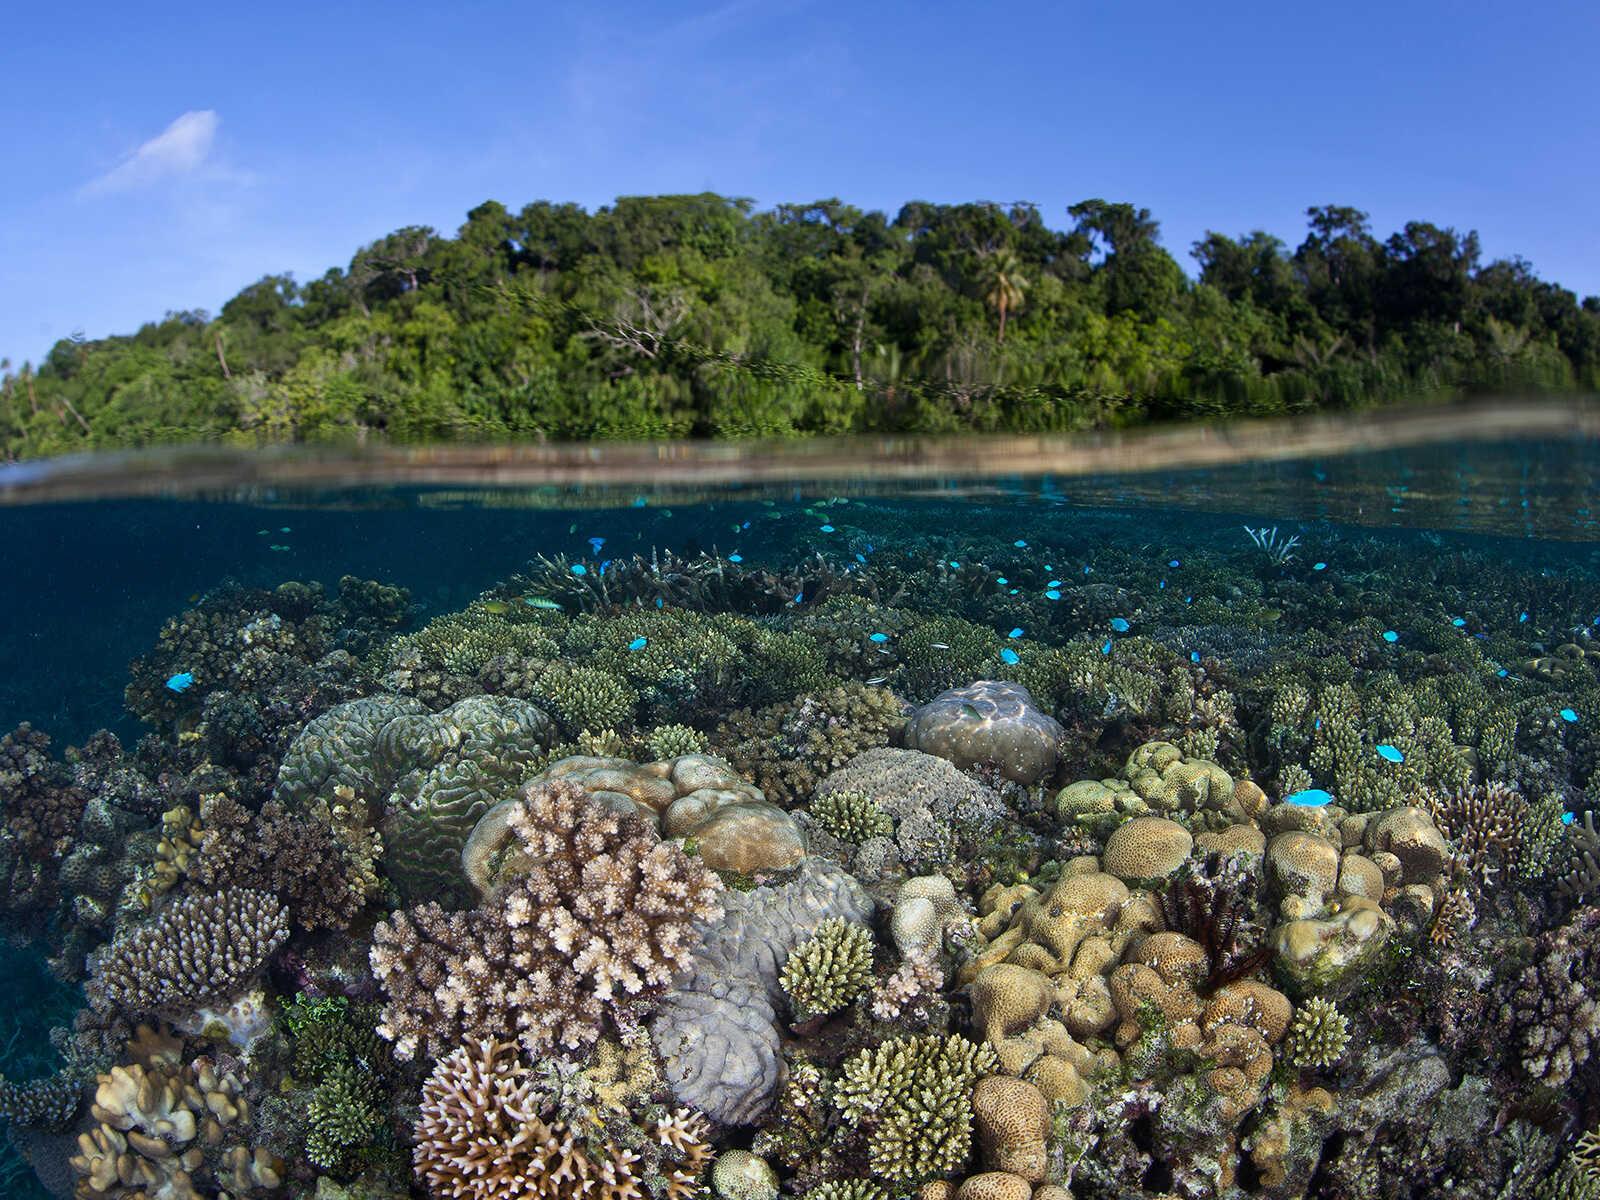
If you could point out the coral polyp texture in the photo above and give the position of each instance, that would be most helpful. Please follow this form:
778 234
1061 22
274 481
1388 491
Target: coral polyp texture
593 912
853 849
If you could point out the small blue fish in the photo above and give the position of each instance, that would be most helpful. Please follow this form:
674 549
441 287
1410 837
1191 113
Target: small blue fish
1086 569
1188 599
1010 657
1194 656
1568 715
1317 724
1390 635
1052 594
1309 797
1319 566
1501 672
283 529
640 502
1001 580
1053 583
869 547
954 566
638 643
746 525
658 602
1020 544
1015 633
825 528
1521 617
799 596
180 681
877 637
1106 649
735 558
1162 586
1390 754
1012 592
1119 625
1458 622
1567 818
1172 562
597 542
861 558
579 569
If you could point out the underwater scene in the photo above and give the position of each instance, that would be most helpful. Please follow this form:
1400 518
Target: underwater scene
1218 832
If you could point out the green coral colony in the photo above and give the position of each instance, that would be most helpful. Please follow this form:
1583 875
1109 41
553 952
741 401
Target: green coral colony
1054 866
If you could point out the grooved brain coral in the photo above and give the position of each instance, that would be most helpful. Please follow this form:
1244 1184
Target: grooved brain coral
988 721
435 774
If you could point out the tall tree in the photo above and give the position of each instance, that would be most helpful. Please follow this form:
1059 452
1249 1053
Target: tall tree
1004 285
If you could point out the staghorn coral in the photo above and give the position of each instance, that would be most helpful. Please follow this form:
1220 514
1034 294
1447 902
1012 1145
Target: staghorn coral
829 969
596 915
1488 824
482 1133
1579 872
1318 1035
912 1098
585 698
198 948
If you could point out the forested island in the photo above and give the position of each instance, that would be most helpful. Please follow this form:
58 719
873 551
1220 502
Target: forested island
699 316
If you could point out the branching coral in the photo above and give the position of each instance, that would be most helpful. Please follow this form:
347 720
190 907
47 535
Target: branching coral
787 748
598 915
829 969
198 948
913 1099
482 1134
1549 1011
1488 824
851 815
1318 1035
321 860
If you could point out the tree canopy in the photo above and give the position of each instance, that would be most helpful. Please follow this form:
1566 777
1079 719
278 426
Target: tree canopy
670 316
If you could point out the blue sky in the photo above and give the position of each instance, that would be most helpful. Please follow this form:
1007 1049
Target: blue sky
164 156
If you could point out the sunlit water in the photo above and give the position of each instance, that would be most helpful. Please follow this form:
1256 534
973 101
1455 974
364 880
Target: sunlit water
1478 557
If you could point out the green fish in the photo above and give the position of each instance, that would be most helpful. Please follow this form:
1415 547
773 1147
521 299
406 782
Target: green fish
496 606
968 711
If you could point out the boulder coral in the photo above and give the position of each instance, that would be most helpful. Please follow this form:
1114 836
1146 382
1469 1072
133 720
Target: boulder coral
984 722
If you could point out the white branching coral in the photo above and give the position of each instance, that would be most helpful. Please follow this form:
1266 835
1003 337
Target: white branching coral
593 911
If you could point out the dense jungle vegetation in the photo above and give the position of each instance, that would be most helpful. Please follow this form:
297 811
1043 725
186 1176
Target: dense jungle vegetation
669 316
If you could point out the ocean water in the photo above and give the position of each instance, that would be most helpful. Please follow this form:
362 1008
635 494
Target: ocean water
1346 680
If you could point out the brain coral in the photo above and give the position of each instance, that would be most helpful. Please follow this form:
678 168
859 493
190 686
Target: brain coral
988 721
336 748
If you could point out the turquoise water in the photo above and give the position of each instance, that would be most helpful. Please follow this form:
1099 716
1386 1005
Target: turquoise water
1356 634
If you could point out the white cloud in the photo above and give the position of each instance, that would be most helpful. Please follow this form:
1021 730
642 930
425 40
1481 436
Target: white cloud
179 149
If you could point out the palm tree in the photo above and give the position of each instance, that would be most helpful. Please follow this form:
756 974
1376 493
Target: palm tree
1003 285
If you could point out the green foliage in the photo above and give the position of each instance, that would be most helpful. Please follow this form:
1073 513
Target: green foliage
672 316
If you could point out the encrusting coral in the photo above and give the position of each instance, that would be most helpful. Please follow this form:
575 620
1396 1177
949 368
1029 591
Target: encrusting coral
596 913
